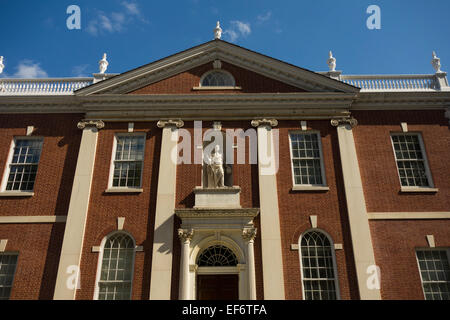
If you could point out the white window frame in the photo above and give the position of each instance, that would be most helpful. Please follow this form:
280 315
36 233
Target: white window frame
430 187
15 268
113 189
418 265
100 262
333 257
217 87
307 187
8 165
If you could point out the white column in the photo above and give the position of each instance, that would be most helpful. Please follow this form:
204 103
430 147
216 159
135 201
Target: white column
185 238
69 262
356 207
272 262
249 235
161 274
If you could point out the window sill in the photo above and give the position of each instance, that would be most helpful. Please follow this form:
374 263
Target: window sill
419 189
217 88
16 194
310 188
124 190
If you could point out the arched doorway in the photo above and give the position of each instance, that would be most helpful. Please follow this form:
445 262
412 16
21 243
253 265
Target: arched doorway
217 274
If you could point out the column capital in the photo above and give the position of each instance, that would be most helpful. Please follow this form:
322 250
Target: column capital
265 122
249 234
99 124
164 123
185 235
352 122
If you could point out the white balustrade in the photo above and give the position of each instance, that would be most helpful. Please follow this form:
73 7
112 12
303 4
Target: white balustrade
49 86
392 82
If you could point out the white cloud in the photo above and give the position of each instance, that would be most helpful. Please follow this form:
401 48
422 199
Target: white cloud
237 29
264 17
29 69
115 21
131 7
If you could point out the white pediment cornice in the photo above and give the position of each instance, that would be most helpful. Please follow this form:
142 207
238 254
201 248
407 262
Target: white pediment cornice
208 52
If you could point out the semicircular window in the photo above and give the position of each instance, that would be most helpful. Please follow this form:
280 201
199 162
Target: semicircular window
217 79
217 256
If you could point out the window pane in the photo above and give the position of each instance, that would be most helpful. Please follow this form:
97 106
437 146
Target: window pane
117 268
218 79
24 164
435 270
410 162
8 264
317 267
306 159
128 163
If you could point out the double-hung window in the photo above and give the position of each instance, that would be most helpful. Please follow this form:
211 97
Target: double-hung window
411 160
8 264
434 267
128 161
23 165
307 159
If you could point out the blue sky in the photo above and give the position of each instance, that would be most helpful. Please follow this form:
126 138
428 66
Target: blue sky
36 42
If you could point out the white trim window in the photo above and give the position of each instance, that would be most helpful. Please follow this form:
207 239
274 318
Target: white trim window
318 266
217 78
117 265
128 161
434 268
307 159
412 164
23 164
8 263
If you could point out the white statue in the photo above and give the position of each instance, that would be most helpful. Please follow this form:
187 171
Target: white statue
331 62
218 31
103 64
436 63
215 170
1 64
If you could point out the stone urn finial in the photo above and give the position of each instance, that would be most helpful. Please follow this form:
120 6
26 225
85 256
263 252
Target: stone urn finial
436 63
103 64
1 64
331 62
218 31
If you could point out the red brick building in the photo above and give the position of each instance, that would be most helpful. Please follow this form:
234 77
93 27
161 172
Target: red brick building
325 186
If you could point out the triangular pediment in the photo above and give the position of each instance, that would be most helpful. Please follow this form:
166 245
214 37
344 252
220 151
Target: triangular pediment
273 75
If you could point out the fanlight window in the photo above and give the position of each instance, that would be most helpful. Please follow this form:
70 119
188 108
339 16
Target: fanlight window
117 268
318 270
217 79
217 256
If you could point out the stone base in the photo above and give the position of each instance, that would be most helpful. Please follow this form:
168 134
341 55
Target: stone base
227 197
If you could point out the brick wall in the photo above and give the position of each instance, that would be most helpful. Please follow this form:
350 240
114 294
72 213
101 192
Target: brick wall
295 207
138 209
249 81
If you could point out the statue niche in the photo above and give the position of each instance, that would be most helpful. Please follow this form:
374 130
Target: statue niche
216 172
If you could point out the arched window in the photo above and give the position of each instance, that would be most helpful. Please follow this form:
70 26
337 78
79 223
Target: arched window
217 78
217 256
318 267
116 274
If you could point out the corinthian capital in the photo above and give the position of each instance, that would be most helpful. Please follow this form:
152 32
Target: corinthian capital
177 123
352 122
99 124
249 234
185 235
265 122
